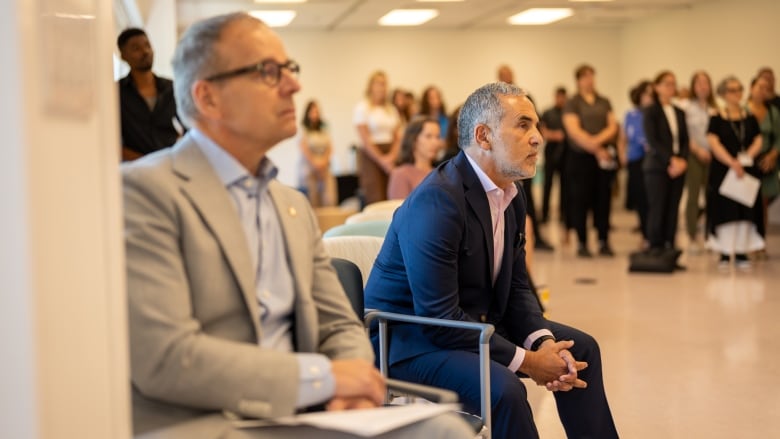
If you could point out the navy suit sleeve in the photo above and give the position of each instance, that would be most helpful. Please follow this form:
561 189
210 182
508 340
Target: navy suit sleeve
430 245
523 315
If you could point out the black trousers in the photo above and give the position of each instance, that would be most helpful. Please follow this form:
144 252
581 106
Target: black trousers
584 413
554 159
663 207
530 208
590 190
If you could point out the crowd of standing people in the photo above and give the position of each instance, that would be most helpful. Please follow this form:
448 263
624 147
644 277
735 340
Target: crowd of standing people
673 141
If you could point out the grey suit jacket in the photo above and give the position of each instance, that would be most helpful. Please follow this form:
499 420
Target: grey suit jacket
193 314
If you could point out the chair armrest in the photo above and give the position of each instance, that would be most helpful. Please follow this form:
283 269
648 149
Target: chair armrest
433 394
486 331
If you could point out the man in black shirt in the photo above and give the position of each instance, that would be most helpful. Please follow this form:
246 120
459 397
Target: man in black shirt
554 150
146 102
505 74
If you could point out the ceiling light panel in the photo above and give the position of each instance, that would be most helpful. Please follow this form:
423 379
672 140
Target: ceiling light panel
408 17
279 2
539 16
274 18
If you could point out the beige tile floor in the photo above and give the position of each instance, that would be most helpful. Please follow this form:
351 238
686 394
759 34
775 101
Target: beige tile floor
690 355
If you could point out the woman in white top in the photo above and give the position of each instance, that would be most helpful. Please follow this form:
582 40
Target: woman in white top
378 126
316 150
698 110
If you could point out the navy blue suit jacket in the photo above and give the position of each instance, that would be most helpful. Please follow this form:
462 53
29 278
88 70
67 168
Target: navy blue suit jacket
437 261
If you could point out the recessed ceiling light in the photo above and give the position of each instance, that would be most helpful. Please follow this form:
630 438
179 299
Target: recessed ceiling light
535 16
280 1
408 17
274 18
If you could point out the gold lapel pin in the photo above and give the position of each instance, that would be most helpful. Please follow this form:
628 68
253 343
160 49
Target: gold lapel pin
292 211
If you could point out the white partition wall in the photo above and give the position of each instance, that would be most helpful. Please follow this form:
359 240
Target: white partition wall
63 335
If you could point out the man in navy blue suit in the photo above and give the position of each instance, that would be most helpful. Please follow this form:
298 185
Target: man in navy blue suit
455 250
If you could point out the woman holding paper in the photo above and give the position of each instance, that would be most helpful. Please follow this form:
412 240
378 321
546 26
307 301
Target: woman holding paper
735 139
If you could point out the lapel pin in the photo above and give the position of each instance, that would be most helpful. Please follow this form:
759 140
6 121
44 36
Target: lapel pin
292 211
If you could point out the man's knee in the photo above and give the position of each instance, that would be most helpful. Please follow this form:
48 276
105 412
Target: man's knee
509 395
586 348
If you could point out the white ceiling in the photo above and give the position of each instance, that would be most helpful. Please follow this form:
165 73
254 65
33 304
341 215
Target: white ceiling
469 14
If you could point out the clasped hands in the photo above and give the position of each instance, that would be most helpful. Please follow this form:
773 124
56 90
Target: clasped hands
554 367
677 167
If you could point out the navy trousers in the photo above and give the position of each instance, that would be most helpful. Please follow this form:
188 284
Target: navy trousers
584 413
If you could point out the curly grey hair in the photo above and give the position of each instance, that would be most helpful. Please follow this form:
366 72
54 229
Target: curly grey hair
724 83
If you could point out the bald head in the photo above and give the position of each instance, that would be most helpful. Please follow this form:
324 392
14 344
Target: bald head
505 74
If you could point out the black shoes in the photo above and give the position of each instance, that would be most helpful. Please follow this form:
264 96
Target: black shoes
583 252
604 250
543 245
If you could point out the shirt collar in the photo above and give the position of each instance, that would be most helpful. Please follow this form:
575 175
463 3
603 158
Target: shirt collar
228 169
487 184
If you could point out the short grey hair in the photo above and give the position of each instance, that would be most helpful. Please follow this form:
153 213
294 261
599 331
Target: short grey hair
196 58
483 107
724 83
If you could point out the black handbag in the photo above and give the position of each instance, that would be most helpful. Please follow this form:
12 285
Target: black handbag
654 261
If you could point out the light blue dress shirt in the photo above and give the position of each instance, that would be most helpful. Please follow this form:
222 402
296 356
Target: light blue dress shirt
274 284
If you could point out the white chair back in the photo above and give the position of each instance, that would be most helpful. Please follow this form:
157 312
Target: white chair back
361 250
379 215
390 205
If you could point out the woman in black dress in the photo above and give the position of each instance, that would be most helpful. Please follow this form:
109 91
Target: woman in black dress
735 139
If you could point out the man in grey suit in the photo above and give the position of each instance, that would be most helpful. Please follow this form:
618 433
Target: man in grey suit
233 304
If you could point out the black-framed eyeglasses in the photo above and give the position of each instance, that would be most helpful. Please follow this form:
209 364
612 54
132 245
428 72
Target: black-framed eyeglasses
270 71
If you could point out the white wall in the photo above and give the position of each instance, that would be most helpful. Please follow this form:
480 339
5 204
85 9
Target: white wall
722 37
335 67
63 333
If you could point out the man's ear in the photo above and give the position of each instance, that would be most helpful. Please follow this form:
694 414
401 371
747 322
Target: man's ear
482 136
206 99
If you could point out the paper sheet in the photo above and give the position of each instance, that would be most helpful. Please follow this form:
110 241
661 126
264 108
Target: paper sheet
742 190
366 422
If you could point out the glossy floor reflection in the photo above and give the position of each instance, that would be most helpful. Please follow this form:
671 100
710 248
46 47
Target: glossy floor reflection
691 355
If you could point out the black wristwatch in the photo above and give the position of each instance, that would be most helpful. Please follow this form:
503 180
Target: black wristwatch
538 342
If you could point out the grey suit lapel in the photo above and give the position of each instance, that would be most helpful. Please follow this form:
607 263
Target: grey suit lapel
208 195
